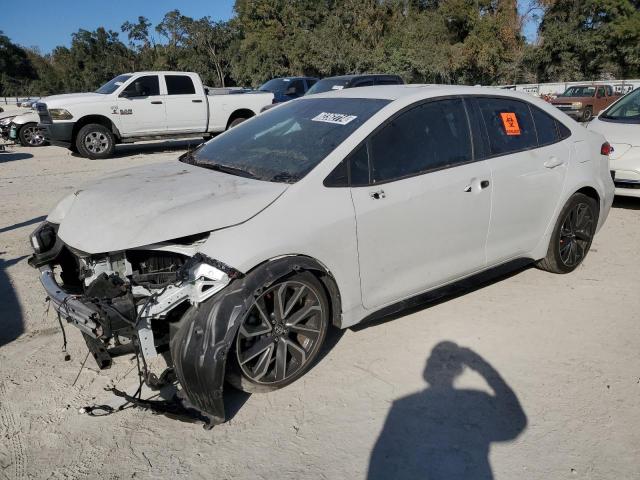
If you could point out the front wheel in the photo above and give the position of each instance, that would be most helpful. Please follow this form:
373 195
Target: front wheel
572 235
30 135
587 114
95 141
281 335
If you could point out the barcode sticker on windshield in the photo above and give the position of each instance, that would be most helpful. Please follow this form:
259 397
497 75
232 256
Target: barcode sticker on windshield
337 87
339 118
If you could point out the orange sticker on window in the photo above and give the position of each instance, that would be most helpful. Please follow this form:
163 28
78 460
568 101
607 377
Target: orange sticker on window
510 123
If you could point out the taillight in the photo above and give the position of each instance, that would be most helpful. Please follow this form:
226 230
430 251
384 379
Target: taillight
606 149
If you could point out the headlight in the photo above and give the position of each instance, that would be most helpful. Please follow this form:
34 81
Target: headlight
60 114
576 104
44 237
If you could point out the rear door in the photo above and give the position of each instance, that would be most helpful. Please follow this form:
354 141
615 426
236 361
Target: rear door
529 166
422 204
186 104
141 110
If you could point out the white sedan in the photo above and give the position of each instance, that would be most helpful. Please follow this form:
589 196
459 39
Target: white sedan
620 124
235 260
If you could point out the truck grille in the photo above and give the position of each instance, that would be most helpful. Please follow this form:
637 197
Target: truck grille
43 113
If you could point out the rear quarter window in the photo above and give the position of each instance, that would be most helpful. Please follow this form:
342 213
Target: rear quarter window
545 126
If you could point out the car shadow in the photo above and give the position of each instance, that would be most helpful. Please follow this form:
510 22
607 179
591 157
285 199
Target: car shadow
23 224
628 203
446 293
13 156
443 432
11 321
147 148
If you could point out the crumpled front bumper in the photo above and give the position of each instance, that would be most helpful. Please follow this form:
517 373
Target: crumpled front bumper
71 307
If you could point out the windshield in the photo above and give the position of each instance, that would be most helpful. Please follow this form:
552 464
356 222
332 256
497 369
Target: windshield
328 84
579 92
113 84
626 110
277 85
287 142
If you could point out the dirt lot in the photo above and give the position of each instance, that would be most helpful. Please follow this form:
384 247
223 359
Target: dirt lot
566 346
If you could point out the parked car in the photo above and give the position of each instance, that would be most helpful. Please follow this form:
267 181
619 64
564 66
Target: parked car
620 125
143 106
351 81
582 102
22 129
323 211
287 88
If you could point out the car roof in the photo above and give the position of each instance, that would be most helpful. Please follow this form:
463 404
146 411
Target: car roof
396 92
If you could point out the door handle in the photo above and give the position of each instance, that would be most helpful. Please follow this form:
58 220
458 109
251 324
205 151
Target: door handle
553 162
156 102
484 184
377 195
196 101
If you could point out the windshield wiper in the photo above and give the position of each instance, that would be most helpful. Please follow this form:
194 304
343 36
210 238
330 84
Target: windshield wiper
225 169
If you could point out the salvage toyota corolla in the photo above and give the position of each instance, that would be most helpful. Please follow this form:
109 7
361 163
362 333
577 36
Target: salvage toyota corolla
236 259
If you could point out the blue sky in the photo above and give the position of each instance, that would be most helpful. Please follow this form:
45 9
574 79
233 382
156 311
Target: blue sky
48 23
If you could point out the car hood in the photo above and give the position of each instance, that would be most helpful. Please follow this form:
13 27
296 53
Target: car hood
156 203
55 101
569 99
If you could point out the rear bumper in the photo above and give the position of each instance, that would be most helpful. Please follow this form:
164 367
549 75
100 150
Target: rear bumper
60 134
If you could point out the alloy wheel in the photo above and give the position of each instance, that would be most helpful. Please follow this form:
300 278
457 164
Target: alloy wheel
33 136
96 142
576 233
280 332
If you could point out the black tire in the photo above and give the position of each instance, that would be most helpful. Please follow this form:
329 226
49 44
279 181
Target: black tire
95 141
587 114
30 136
236 121
311 305
572 235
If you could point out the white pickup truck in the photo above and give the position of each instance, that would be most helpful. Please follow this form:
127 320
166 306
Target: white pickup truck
143 106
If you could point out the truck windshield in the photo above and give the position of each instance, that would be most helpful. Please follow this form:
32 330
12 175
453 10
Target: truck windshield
113 84
625 110
328 84
287 142
276 85
579 92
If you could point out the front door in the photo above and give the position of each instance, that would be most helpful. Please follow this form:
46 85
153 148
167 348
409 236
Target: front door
422 204
141 109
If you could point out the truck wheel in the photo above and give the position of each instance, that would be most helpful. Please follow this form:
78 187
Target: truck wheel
30 135
587 114
236 121
95 141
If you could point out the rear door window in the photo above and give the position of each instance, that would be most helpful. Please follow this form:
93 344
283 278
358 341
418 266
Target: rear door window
509 125
179 85
430 136
388 81
364 82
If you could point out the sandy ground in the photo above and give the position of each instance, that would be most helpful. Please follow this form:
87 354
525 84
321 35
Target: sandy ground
559 356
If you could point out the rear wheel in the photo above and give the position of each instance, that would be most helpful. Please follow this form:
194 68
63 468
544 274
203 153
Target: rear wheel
281 335
236 121
95 141
572 235
30 135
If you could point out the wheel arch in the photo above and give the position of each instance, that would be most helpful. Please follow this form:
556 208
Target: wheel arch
240 113
99 119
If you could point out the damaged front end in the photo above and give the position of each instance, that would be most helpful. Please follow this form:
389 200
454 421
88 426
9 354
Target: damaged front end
138 300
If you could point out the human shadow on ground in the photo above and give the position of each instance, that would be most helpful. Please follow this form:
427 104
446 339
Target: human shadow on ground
11 321
23 224
445 433
13 156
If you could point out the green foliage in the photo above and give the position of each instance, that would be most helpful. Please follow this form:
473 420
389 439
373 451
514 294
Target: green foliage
425 41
